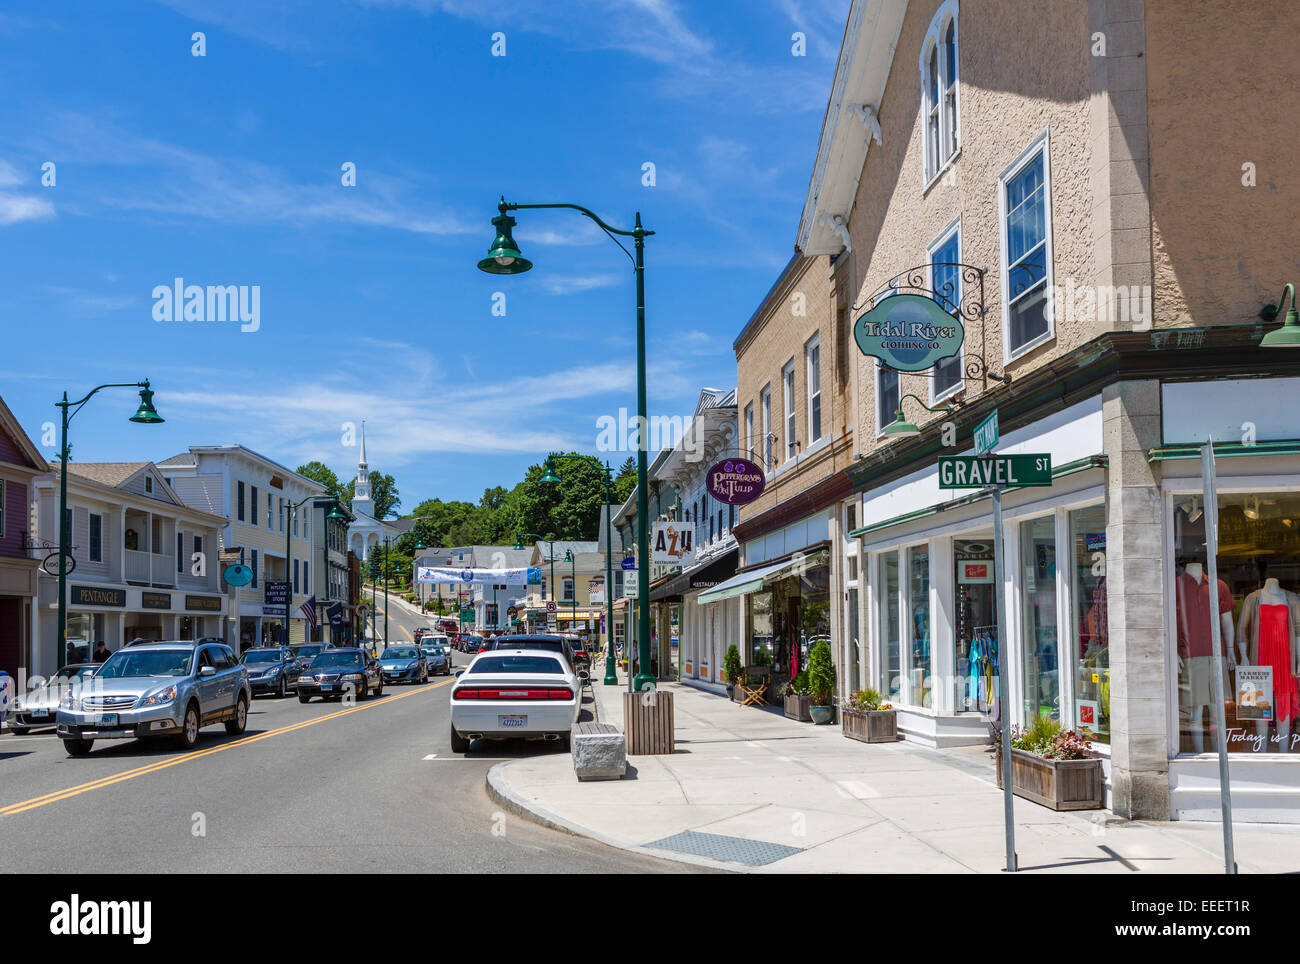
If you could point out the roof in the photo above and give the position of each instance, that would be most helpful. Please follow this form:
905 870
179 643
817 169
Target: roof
105 473
189 459
112 476
9 424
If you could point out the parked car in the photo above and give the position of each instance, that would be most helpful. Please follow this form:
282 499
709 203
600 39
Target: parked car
272 669
404 664
548 642
438 658
338 670
514 693
157 689
307 652
473 644
41 704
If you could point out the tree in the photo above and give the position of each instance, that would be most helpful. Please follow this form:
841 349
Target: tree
624 481
322 473
383 492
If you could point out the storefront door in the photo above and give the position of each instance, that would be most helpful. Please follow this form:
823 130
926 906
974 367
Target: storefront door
976 630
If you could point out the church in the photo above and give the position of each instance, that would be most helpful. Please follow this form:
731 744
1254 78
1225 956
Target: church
366 531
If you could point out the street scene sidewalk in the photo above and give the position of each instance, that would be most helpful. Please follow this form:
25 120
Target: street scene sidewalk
751 791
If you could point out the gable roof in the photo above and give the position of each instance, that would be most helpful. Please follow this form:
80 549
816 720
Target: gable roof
111 474
9 425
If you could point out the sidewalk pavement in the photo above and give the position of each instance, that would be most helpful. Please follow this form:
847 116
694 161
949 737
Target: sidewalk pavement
751 791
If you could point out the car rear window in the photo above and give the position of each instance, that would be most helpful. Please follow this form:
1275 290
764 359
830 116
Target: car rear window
517 663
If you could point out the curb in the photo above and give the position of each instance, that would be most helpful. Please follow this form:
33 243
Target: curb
500 792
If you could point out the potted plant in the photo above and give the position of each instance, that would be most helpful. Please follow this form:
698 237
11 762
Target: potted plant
1053 766
866 719
731 669
798 699
821 683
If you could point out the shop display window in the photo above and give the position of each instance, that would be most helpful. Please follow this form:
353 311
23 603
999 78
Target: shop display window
976 633
760 627
1259 600
891 678
1041 679
919 678
1092 661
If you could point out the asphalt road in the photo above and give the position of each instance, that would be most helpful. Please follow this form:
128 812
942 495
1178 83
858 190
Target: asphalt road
320 787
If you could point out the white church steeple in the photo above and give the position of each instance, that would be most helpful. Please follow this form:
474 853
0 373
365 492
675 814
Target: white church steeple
361 501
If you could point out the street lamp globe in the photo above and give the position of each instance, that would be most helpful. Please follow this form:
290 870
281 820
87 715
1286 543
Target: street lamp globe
550 476
504 257
146 414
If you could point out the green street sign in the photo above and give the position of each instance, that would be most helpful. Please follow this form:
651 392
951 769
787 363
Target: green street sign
975 472
467 615
909 333
986 434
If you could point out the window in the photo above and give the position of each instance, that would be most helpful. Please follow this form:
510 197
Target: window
295 522
920 681
2 508
198 545
180 551
1088 597
253 566
765 403
1026 251
96 538
891 678
148 483
813 357
306 582
939 73
253 507
295 576
270 502
1042 688
710 526
239 499
887 396
749 430
787 380
566 589
945 282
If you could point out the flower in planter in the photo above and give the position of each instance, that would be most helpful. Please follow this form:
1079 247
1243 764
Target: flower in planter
867 701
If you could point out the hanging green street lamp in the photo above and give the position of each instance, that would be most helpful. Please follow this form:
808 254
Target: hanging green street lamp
1288 336
549 477
901 427
146 414
504 257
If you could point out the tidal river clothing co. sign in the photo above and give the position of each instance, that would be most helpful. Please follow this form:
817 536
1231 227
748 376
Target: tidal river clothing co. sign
909 333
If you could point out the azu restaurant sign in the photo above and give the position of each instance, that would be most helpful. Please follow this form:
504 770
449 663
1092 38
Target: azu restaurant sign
735 481
909 333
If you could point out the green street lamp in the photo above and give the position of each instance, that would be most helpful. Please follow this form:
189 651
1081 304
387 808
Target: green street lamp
1288 336
900 427
504 258
611 674
146 414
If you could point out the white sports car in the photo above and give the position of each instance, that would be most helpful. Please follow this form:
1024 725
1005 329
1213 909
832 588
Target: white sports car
514 694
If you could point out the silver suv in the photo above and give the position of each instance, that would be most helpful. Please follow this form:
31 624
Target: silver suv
157 689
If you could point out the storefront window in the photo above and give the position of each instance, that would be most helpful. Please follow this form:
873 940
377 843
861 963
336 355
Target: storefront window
760 627
854 648
1092 662
976 632
1259 604
919 672
891 679
1042 693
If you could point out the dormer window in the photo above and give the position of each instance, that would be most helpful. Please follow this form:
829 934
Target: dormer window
938 66
148 483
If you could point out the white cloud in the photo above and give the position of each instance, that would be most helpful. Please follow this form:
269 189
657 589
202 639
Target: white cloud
14 209
562 285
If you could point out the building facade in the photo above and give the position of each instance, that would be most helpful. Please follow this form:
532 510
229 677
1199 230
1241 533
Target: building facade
1107 262
257 496
332 583
21 463
146 563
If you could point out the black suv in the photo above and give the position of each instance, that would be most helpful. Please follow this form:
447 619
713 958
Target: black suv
337 671
272 669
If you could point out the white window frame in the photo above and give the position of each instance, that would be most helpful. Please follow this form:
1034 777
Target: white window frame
934 39
813 345
953 230
749 430
1041 143
883 418
765 404
791 417
568 589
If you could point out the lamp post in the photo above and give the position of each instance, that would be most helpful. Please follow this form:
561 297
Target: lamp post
504 258
550 543
144 415
611 675
572 560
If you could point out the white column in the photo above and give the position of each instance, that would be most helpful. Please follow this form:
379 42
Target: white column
1011 638
943 623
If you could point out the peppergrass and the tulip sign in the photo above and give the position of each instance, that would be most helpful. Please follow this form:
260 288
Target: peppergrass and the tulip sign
909 333
735 481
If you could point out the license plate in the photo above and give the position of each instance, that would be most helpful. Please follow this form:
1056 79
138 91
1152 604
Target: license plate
40 714
104 719
512 722
326 686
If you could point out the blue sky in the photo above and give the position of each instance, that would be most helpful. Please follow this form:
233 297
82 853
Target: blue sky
226 170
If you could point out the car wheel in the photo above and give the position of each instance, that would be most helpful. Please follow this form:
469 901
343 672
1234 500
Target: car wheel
78 747
189 734
304 697
458 743
362 691
379 687
20 730
236 726
281 690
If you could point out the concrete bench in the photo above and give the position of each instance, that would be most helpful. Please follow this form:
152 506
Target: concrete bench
599 751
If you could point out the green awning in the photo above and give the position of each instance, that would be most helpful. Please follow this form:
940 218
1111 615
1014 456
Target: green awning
1225 450
744 583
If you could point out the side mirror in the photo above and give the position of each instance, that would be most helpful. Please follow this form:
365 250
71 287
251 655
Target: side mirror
207 671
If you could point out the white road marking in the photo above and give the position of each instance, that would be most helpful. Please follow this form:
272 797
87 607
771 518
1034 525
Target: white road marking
432 756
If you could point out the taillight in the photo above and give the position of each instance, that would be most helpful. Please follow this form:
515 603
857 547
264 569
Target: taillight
535 693
466 694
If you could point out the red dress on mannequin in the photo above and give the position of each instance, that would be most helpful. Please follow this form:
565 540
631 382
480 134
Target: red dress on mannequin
1275 651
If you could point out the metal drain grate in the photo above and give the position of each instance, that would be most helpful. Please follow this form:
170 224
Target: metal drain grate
739 850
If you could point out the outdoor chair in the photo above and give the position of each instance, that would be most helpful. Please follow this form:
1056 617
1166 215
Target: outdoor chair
754 689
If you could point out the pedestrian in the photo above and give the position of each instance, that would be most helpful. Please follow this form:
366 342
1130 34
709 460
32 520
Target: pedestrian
72 653
101 652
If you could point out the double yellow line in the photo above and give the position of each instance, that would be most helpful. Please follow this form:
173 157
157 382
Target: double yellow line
108 781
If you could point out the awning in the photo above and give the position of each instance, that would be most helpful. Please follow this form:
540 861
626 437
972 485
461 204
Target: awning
746 582
705 576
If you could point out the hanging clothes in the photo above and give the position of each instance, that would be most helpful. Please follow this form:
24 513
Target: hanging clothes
1275 651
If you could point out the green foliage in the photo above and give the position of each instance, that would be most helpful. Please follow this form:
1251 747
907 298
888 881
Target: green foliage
821 673
322 473
1046 737
624 481
799 685
762 656
383 492
731 663
866 701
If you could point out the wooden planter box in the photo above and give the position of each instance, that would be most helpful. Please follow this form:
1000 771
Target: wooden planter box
796 708
1056 784
873 726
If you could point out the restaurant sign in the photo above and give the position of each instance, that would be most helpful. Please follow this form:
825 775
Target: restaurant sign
735 481
909 333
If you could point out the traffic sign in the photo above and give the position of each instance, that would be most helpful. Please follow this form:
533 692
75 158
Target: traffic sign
976 472
986 434
550 606
629 564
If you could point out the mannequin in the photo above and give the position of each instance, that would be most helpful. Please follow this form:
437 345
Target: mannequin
1270 623
1192 593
